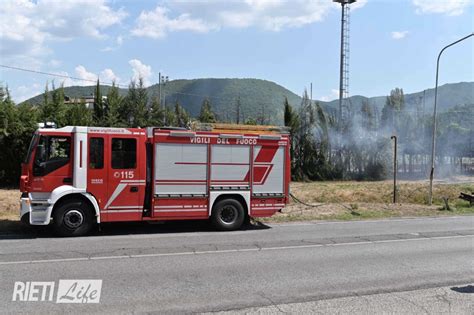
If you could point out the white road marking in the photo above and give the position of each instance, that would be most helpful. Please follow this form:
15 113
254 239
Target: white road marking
109 257
254 249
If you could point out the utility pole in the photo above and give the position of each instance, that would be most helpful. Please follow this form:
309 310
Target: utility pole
159 86
423 129
344 55
237 114
395 169
433 140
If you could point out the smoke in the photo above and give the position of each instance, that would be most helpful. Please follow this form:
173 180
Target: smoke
360 145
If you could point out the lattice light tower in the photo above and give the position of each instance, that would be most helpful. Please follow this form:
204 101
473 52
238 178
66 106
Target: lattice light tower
344 63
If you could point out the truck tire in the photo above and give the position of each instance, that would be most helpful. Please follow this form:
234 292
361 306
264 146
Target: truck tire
73 218
228 215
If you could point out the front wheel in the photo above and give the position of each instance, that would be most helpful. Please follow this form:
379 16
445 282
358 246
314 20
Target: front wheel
228 215
73 218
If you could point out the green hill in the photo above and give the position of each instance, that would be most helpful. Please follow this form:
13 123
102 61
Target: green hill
261 96
256 96
449 95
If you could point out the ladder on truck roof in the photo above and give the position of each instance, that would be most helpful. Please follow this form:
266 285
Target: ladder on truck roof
237 128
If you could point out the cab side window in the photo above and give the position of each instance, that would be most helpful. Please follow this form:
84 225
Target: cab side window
124 153
52 153
96 153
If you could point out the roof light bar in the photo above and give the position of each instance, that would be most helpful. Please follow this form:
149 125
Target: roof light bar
230 136
47 124
182 134
269 137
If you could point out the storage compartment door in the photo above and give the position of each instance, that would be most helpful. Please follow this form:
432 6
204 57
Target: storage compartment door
180 169
268 170
230 167
180 176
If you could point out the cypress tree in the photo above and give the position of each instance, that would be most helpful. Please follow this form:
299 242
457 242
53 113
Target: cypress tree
206 115
157 114
140 110
114 102
98 115
182 117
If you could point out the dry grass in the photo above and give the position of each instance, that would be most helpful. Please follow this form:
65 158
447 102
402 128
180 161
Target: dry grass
341 200
357 211
9 204
411 192
360 200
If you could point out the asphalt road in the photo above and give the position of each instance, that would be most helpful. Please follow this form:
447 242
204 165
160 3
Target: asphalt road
440 300
182 268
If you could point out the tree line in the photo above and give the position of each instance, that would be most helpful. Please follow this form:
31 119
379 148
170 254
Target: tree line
135 109
358 145
324 145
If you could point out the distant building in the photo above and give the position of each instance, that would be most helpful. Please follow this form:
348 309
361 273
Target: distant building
88 100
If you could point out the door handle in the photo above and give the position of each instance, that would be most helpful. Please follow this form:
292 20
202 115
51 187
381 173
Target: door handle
134 189
67 180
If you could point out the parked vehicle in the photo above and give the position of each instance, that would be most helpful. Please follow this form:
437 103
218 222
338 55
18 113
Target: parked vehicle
77 177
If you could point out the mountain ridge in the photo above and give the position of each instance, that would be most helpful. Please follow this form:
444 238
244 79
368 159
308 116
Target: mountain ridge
263 97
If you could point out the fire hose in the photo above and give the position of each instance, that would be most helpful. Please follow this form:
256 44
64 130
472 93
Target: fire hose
304 203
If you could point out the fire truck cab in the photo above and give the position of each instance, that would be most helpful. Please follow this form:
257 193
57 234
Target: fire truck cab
77 177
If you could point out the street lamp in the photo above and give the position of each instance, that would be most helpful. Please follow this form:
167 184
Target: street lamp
162 80
433 143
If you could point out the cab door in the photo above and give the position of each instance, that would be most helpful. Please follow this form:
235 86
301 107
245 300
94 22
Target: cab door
97 172
126 173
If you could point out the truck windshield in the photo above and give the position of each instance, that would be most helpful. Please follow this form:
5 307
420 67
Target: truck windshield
33 142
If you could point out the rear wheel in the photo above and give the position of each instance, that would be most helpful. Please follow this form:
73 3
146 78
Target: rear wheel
73 218
228 215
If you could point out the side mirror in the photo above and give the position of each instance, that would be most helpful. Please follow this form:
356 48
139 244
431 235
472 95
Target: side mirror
40 153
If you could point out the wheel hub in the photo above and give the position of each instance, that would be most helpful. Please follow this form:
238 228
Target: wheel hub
73 219
228 214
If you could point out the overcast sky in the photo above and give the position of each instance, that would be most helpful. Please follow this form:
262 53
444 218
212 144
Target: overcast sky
393 43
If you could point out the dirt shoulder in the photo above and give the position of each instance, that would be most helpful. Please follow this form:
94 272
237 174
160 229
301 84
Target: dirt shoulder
348 200
360 211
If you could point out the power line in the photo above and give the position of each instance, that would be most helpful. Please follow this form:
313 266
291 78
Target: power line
58 75
118 85
95 81
126 86
105 83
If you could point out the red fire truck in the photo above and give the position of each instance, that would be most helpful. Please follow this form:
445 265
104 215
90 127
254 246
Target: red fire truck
78 177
